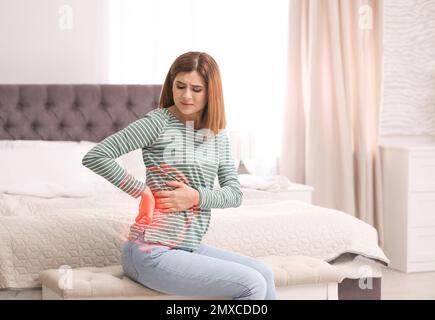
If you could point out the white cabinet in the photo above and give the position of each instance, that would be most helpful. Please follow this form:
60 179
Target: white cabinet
409 206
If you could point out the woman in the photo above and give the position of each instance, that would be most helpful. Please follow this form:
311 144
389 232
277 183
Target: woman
184 146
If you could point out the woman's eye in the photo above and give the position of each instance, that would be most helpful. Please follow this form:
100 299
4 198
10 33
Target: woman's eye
194 90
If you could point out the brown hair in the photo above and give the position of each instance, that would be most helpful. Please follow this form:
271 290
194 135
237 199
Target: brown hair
213 116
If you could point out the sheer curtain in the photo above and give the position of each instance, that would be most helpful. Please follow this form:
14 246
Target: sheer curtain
248 39
333 104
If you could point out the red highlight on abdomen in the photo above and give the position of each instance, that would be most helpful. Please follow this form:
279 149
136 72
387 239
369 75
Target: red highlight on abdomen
146 218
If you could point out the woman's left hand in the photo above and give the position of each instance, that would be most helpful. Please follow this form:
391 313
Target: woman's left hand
179 199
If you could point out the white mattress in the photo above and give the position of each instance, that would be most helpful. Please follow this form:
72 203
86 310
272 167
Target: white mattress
38 234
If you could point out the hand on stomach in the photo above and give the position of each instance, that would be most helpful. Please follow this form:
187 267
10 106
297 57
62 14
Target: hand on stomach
146 207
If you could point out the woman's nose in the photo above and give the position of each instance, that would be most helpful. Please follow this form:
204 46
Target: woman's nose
187 94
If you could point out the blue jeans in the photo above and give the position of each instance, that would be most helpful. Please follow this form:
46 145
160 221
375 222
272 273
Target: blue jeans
206 272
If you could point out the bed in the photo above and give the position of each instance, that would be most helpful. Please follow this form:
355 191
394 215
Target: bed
77 219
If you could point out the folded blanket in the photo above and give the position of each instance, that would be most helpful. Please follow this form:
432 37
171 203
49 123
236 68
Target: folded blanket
265 183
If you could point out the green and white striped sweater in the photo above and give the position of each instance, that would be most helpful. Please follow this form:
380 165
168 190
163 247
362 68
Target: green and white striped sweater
171 150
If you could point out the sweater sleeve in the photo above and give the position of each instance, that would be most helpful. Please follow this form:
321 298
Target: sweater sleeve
230 194
138 134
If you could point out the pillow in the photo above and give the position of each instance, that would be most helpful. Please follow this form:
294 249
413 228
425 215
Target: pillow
56 169
44 169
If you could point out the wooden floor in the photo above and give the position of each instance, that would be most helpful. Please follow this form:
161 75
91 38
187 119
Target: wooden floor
395 286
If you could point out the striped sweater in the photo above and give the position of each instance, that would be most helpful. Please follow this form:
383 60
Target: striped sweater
171 150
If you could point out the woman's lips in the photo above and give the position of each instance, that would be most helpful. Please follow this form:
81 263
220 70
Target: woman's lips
187 104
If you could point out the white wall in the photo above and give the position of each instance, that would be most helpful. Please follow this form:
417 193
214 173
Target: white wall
409 70
41 43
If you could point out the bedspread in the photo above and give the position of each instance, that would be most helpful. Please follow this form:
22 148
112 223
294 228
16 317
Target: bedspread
38 234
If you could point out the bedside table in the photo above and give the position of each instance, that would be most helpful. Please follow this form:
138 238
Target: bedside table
408 173
300 192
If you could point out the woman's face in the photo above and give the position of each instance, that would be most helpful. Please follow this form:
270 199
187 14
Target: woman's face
190 94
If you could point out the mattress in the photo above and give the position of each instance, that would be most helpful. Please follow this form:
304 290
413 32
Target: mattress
38 233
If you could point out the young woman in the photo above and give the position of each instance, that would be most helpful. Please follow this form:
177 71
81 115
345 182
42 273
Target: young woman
184 146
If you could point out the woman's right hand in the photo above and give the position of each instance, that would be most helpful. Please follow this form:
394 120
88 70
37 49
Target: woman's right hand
146 207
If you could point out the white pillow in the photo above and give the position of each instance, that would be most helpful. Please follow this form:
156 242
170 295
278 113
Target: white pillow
43 168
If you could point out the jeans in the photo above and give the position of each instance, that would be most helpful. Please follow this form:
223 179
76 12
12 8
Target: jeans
206 272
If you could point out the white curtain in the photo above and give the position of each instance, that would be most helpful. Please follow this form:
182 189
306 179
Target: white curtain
331 139
247 38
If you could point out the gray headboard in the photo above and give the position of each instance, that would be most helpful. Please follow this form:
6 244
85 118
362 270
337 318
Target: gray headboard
71 112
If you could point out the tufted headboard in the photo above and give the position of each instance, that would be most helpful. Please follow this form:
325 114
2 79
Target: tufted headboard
71 112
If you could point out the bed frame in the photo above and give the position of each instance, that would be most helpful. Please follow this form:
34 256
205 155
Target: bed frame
75 112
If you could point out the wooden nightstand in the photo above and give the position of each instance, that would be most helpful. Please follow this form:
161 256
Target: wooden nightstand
296 191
